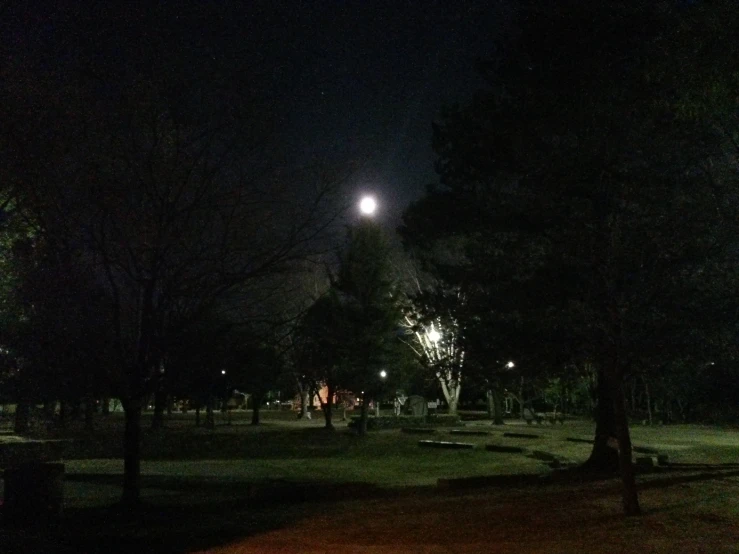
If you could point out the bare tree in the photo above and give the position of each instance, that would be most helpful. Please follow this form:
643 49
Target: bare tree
174 213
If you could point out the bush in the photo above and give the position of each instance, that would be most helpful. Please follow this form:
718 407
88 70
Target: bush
398 422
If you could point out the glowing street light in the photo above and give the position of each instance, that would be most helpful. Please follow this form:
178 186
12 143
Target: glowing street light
368 205
383 374
433 335
223 372
510 365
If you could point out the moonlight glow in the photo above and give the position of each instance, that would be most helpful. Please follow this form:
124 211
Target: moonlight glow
368 205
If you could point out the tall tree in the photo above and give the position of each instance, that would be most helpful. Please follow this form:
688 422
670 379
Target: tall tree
436 336
351 333
320 345
583 227
368 291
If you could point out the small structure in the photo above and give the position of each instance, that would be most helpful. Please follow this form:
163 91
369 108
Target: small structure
416 405
398 403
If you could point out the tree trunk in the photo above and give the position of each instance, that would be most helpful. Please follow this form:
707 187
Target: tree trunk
520 401
210 421
49 410
62 413
604 456
630 497
489 404
105 403
22 418
256 402
497 402
132 454
649 402
362 429
89 414
377 409
451 389
197 416
160 400
327 407
304 400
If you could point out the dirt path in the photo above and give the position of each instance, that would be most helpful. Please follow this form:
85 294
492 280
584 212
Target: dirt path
701 516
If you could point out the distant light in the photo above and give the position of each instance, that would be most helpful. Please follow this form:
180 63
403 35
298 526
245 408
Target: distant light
433 335
510 365
223 372
383 374
368 205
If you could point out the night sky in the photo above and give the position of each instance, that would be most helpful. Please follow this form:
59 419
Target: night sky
359 80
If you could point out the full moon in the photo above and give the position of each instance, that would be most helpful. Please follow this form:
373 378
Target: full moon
368 205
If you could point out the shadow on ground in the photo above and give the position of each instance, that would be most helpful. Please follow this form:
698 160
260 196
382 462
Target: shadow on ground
197 514
193 514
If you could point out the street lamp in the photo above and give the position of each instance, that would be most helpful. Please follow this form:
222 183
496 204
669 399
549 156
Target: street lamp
223 372
433 335
367 205
510 365
383 374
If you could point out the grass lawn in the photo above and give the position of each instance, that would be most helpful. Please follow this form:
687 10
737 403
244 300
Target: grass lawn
290 486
